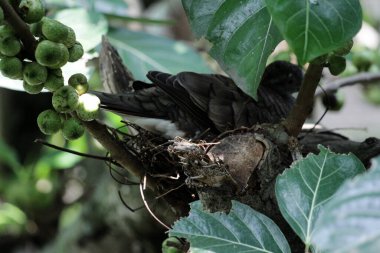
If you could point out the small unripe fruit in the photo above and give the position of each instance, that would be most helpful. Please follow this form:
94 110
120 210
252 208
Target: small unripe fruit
65 99
363 59
34 73
11 67
171 245
88 107
54 80
36 29
6 31
333 101
10 46
31 11
54 30
51 54
32 89
71 38
337 64
79 83
49 122
321 60
72 129
345 49
76 52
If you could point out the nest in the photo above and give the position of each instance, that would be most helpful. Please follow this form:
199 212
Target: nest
239 164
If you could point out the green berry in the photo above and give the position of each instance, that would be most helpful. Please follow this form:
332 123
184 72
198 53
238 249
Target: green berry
36 29
345 49
363 59
76 52
54 30
321 60
333 101
11 67
54 80
6 31
79 82
31 11
71 38
51 54
34 73
32 89
88 107
372 93
65 99
337 64
172 245
49 122
10 46
72 129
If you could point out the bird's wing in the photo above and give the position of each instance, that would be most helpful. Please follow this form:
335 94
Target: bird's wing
218 96
182 98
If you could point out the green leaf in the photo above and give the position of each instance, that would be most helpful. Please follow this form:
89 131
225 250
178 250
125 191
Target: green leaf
242 34
350 222
88 26
303 189
8 156
316 27
242 230
142 52
12 219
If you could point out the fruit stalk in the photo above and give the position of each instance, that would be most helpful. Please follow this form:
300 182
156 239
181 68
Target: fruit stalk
21 28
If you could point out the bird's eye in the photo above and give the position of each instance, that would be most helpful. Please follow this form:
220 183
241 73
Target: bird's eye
371 141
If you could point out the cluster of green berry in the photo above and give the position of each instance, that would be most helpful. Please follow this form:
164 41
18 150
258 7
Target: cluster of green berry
56 45
336 63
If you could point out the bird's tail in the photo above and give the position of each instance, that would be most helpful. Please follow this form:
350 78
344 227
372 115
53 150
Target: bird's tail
128 103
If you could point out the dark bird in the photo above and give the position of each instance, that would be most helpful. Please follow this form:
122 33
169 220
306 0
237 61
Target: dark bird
188 104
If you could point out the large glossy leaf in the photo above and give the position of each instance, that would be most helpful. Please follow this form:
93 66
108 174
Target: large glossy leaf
315 27
350 222
242 34
142 52
89 26
242 230
303 189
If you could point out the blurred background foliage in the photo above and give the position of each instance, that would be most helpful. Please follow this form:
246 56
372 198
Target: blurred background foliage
52 201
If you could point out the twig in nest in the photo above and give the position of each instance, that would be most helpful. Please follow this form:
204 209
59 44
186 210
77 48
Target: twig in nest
103 158
142 187
127 206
